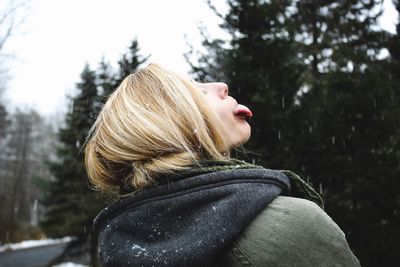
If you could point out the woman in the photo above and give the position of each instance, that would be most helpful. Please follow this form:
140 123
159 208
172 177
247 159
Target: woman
162 143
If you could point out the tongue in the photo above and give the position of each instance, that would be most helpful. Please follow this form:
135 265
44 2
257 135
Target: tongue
242 111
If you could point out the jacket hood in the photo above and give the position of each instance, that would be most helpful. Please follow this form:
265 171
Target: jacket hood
186 222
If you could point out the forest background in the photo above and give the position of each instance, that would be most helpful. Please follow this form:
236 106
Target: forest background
323 80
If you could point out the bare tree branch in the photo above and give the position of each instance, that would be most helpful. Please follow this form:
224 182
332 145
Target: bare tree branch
13 14
12 17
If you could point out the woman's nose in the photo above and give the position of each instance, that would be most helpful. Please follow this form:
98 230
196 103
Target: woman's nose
220 88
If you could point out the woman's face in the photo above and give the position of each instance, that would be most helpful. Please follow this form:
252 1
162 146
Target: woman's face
233 116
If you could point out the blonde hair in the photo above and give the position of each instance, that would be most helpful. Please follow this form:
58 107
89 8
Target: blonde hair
155 122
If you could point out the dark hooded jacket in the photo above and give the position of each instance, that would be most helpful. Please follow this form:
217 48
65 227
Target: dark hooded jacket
190 221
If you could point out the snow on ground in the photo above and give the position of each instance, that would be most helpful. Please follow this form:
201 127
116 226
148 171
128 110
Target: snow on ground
36 243
69 264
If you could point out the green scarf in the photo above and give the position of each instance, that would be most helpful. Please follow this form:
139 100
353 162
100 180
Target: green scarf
299 188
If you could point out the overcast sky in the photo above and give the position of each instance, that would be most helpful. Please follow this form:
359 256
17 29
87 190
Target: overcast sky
61 36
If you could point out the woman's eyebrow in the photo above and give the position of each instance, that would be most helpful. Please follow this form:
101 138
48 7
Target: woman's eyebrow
201 87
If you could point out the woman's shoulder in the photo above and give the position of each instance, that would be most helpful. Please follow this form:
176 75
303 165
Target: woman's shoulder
295 211
292 204
292 231
292 218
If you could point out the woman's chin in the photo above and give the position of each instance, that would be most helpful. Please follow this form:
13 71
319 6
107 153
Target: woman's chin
247 133
246 138
243 136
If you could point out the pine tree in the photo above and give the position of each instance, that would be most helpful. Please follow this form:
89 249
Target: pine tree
324 105
71 204
106 80
394 49
349 112
129 62
261 68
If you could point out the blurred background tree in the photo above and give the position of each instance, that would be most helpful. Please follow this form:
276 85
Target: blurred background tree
27 145
69 204
72 204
